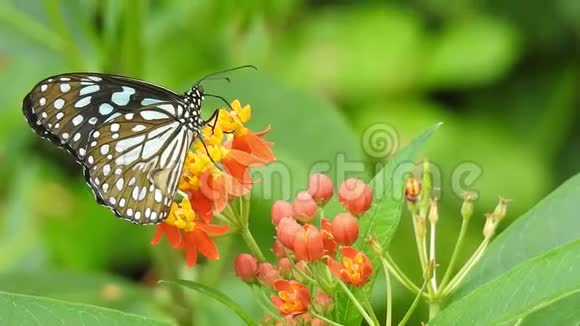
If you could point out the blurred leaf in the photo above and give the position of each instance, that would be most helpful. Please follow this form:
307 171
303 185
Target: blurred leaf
216 295
382 219
527 287
89 288
551 224
23 310
471 52
354 52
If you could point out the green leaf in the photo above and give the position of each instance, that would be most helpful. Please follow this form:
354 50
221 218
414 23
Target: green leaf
217 295
23 310
383 217
528 287
550 224
563 312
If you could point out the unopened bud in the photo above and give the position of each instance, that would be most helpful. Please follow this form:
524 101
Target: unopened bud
430 270
427 188
467 206
375 245
420 227
434 212
412 190
501 209
490 226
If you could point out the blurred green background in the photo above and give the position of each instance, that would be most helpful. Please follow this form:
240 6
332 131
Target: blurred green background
502 75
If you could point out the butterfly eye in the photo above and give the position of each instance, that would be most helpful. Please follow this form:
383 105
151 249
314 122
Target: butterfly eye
131 137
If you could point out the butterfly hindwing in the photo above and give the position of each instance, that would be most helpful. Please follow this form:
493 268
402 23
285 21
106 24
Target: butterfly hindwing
66 108
134 161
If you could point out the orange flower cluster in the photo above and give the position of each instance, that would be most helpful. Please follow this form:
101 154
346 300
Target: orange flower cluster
303 248
216 171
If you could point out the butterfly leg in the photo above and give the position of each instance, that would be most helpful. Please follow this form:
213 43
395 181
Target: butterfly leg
214 117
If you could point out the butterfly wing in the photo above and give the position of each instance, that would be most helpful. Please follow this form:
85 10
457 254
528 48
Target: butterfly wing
66 108
134 161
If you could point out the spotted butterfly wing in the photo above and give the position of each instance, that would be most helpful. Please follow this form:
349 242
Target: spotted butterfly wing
130 136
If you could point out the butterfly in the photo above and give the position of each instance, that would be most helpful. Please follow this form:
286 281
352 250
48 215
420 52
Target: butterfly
130 136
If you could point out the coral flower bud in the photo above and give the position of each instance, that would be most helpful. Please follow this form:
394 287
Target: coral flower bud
305 207
323 302
246 267
345 229
267 274
412 190
278 249
280 209
308 244
286 231
356 196
321 188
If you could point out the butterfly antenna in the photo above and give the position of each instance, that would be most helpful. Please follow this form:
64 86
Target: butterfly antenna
224 71
221 98
219 78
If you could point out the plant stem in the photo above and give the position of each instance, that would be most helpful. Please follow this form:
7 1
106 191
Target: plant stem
132 45
432 257
388 289
357 304
455 254
55 15
398 273
251 243
413 305
419 243
168 263
326 320
369 307
456 281
434 308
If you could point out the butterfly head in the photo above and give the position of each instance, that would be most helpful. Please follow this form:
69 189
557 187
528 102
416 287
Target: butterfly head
195 95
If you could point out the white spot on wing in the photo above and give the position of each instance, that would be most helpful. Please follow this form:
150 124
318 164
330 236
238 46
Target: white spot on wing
89 89
83 102
64 88
105 108
58 103
122 98
77 120
152 115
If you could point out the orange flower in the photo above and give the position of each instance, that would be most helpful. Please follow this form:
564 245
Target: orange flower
355 268
184 230
293 297
215 171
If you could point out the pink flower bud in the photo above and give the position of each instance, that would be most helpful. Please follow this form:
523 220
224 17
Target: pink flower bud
268 274
278 249
345 229
321 188
246 267
355 195
286 231
305 207
280 209
308 244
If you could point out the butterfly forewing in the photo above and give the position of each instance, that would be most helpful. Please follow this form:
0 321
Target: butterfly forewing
134 163
130 136
67 108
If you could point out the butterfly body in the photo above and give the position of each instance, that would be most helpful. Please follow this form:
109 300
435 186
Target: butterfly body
131 137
